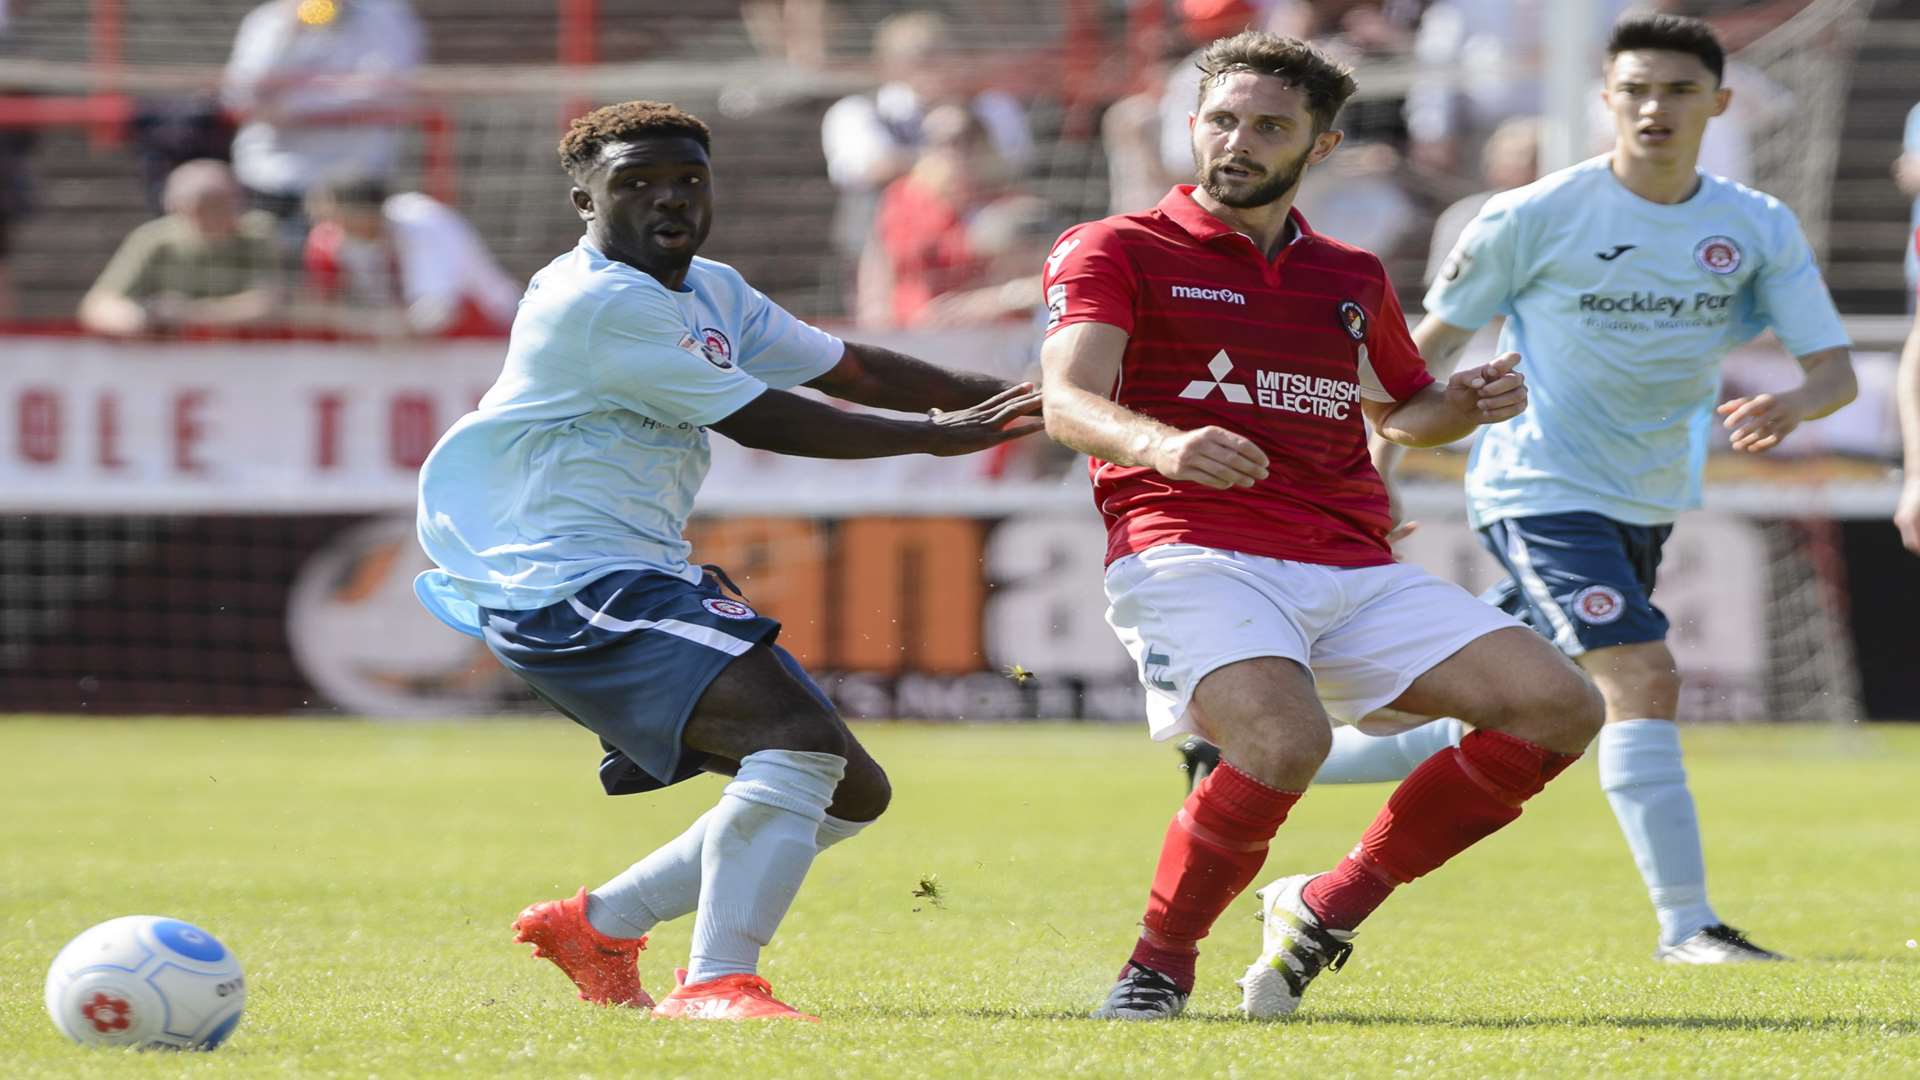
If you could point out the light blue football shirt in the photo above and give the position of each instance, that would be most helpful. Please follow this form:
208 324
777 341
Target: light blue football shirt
585 456
1621 310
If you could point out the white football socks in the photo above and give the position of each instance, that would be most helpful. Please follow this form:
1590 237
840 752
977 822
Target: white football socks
666 884
760 842
1359 758
1641 772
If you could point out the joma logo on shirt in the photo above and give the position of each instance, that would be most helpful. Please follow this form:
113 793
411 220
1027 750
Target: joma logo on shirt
1191 292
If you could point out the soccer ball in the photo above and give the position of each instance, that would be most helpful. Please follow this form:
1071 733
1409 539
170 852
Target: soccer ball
146 981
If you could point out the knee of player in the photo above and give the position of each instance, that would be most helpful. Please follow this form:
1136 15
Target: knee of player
1559 703
864 795
1586 708
812 728
1285 755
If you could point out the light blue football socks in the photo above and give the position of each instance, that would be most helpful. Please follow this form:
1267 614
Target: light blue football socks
760 842
1642 774
666 884
1359 758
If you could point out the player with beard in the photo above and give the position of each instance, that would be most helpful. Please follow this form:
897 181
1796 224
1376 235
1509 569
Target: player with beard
1215 357
555 511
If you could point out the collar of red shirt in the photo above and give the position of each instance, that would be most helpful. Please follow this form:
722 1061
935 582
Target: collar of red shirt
1203 226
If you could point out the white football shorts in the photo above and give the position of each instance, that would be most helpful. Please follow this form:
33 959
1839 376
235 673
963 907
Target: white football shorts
1366 633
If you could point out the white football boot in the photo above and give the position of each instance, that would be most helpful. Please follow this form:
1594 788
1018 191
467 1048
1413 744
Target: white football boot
1294 949
1717 944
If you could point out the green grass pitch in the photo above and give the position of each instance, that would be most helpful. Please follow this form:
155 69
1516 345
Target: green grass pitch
366 875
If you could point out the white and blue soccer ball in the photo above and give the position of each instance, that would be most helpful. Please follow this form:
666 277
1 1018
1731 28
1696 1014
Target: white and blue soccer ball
146 981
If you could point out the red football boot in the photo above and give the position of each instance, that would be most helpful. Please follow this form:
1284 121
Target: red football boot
729 997
604 968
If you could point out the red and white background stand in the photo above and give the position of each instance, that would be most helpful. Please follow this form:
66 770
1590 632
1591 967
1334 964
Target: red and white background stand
227 527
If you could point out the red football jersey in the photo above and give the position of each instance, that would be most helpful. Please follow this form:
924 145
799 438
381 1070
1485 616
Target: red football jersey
1280 352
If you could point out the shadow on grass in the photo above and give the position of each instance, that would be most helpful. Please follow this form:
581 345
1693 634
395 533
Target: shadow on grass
1857 1025
1860 1025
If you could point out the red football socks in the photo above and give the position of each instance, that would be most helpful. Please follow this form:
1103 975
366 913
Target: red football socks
1452 801
1214 847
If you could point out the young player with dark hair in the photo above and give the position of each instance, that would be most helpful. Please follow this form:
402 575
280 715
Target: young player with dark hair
1625 279
555 512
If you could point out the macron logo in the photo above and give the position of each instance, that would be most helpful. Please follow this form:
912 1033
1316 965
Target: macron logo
1225 296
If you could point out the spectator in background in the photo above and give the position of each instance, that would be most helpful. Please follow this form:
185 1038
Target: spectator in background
1906 515
15 143
316 82
205 264
165 133
1491 52
924 244
873 139
1511 159
401 265
790 30
1906 173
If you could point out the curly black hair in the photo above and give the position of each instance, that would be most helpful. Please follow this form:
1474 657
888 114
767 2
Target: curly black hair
580 147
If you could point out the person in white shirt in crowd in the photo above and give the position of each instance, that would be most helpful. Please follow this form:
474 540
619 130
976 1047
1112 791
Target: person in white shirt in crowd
1490 52
403 264
1906 175
316 84
872 139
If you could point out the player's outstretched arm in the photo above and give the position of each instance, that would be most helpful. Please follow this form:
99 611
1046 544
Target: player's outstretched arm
1443 412
1440 344
1081 364
790 424
884 379
1758 423
1907 393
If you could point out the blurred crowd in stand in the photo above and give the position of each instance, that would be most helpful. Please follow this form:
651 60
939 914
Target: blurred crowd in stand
279 201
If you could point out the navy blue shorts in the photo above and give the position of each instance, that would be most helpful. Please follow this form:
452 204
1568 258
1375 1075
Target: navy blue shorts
628 657
1583 580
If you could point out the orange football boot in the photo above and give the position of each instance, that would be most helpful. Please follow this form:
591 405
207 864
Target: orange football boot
729 997
604 968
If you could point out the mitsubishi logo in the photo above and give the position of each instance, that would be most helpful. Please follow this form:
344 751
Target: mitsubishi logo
1220 365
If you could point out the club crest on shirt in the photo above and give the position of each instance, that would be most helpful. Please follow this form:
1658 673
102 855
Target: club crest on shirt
1717 255
1598 605
1353 319
710 345
727 609
716 347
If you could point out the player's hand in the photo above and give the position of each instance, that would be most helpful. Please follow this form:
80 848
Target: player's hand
1906 517
1401 532
1758 423
1490 393
1212 456
1009 414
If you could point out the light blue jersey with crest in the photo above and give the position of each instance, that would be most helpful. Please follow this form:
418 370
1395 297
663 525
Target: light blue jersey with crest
585 456
1621 310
